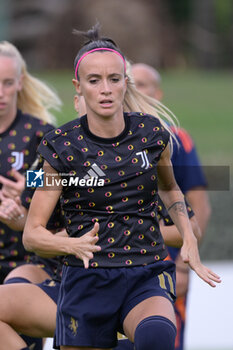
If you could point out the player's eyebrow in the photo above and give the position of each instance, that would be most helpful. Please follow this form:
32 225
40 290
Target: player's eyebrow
95 75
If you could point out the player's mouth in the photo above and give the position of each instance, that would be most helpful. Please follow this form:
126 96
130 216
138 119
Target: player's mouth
106 103
2 105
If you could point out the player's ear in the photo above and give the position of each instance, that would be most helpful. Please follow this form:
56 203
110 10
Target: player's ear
20 82
126 82
159 94
76 103
76 84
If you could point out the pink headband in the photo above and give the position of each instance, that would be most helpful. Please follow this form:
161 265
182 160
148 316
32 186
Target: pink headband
97 49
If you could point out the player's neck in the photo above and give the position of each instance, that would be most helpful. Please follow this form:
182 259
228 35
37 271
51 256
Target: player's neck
108 127
7 119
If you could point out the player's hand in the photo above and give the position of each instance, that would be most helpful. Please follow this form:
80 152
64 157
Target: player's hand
10 209
190 255
10 188
83 247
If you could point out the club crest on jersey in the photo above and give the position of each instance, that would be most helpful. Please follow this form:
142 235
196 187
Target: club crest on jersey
19 158
145 161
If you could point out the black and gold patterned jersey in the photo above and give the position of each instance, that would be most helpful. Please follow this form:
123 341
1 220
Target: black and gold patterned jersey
18 150
112 181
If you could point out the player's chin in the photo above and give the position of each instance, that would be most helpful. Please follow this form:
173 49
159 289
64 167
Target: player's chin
107 112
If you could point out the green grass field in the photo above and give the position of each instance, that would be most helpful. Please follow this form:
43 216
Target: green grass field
203 103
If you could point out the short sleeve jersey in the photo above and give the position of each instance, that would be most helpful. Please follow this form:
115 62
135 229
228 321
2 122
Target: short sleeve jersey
186 164
18 149
116 186
18 144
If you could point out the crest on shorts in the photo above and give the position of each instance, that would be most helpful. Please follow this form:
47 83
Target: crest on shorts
52 284
73 326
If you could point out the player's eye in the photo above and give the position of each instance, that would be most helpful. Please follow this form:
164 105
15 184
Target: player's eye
93 81
9 82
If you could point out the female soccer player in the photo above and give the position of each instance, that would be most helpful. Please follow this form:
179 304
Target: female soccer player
125 284
25 102
33 312
40 318
25 117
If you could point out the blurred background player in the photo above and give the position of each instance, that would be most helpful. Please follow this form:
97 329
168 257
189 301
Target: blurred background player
190 178
24 119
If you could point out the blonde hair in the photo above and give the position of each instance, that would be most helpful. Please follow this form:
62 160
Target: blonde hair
35 98
136 101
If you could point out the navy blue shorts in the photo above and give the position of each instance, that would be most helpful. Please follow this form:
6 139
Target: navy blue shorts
93 303
51 288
